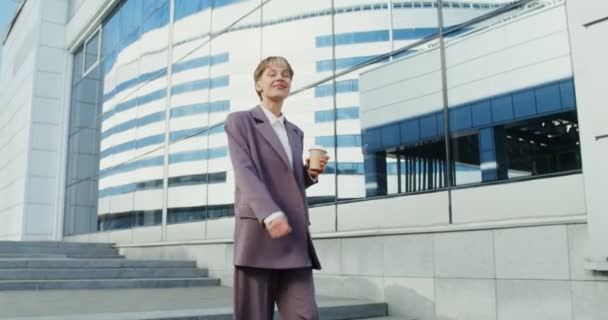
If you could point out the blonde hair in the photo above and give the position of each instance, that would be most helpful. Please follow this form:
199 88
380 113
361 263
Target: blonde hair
263 65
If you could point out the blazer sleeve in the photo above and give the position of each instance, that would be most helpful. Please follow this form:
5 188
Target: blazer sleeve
253 191
308 181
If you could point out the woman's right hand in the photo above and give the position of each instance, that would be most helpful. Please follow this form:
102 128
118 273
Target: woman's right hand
278 228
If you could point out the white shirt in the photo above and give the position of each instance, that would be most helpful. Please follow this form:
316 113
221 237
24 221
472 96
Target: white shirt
278 124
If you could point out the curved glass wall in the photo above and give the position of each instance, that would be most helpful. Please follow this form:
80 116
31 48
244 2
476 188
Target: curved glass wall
152 86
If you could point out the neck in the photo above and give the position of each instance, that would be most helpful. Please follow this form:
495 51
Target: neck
273 106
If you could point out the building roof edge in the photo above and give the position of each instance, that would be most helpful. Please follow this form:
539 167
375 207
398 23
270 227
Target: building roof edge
12 23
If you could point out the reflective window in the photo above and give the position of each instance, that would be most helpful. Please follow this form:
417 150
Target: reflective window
91 56
326 90
348 113
145 92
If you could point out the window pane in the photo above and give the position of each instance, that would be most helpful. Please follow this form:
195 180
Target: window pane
506 119
91 52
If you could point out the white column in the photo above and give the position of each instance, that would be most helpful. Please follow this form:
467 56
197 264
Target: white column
588 25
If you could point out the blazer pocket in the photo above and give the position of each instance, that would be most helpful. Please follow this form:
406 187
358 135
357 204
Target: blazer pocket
244 212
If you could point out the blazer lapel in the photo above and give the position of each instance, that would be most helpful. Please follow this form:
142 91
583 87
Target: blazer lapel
296 149
263 126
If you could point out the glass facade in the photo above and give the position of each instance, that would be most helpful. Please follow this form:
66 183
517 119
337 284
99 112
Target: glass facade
153 85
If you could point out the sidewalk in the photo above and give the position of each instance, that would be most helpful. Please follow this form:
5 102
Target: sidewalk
174 303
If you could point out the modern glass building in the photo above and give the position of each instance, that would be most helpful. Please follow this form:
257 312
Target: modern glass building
154 81
467 140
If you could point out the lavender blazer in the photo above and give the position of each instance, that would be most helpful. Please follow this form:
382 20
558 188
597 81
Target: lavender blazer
265 183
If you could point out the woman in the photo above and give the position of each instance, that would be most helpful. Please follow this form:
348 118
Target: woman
273 252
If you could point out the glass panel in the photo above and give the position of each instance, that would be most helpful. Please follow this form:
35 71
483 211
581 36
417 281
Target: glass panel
149 116
234 55
402 107
507 118
189 114
310 55
83 153
362 33
77 65
125 134
91 56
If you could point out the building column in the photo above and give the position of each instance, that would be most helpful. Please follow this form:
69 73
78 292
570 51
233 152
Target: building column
375 174
588 24
492 154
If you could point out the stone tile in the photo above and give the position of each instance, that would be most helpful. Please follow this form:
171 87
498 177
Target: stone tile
52 59
422 210
103 237
349 287
44 163
322 219
52 34
121 236
46 110
533 300
589 300
329 253
464 254
147 234
48 85
55 11
186 231
465 299
211 256
41 190
362 256
45 136
526 199
408 255
578 249
222 228
39 219
411 298
532 253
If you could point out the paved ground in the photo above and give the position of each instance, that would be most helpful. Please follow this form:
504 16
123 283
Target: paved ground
125 303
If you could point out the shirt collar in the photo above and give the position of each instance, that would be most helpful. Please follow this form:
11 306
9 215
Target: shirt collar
271 117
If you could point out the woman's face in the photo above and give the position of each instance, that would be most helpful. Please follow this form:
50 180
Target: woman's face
275 82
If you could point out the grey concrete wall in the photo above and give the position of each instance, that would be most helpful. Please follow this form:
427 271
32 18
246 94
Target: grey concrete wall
534 272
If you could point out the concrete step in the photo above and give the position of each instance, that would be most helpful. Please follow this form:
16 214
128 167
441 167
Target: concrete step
203 303
91 284
31 256
84 255
99 273
389 318
58 250
54 244
51 263
336 312
70 249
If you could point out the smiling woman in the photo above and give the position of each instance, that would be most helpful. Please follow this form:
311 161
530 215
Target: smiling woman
271 181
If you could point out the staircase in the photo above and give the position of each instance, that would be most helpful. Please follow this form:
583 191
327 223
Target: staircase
64 265
63 279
